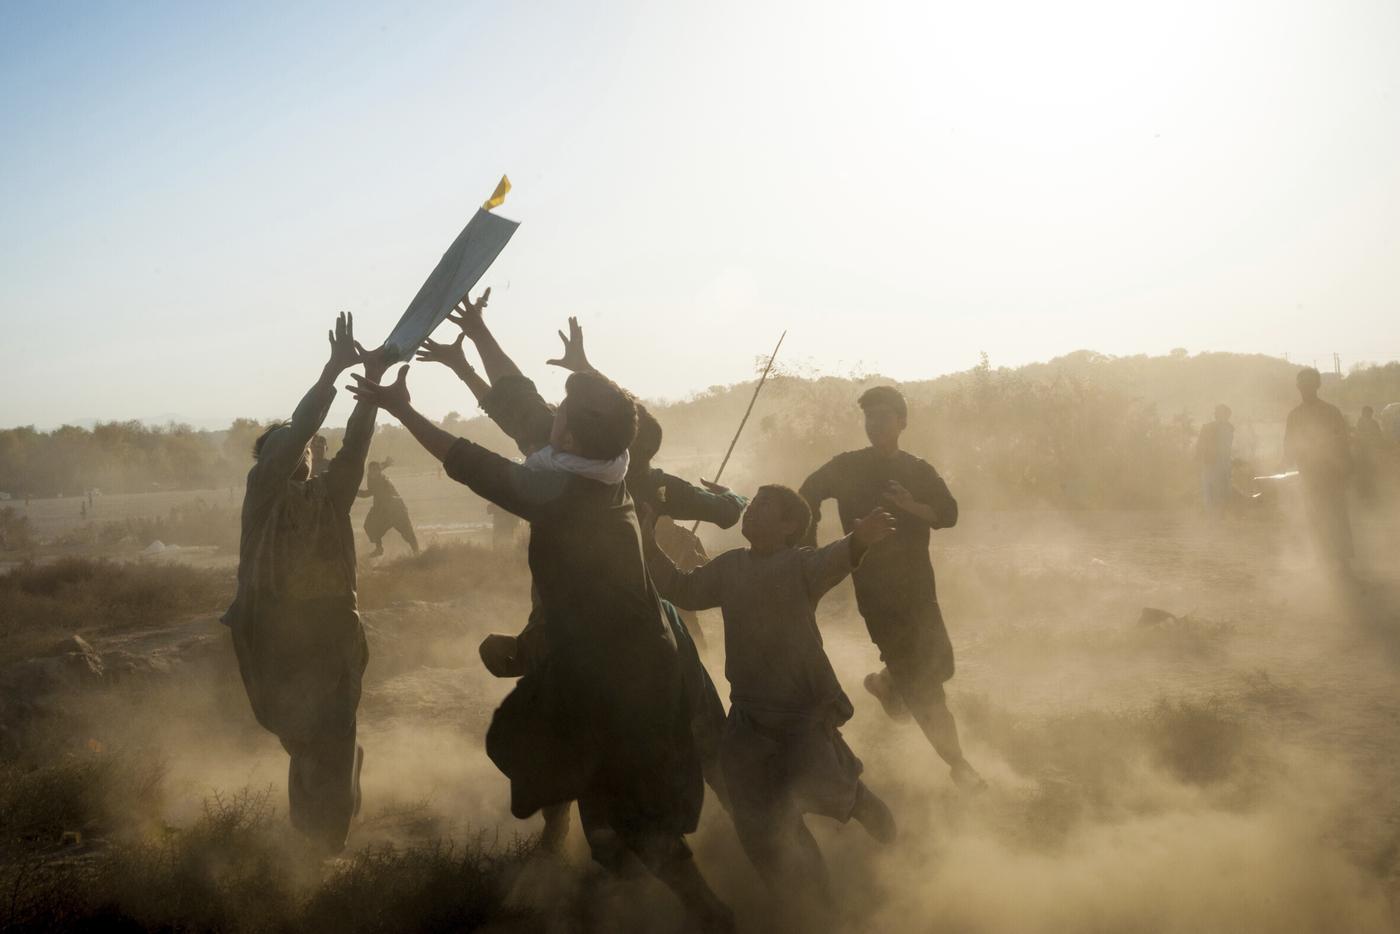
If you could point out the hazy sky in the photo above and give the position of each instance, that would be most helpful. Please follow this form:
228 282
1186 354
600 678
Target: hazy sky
189 192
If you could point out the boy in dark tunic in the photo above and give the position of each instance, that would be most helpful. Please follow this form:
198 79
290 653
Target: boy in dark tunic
387 511
1316 439
602 718
513 403
782 751
295 625
894 585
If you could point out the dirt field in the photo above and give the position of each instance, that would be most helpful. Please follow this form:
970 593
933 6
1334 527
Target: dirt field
1231 769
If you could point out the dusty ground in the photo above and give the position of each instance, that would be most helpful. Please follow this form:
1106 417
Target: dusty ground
1229 770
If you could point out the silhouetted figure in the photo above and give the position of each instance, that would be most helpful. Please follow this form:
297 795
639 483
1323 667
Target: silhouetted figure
1370 452
895 590
1367 428
504 527
1316 440
319 461
603 719
295 622
782 752
1214 453
387 511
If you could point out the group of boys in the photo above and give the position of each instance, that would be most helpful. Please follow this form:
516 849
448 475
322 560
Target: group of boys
613 708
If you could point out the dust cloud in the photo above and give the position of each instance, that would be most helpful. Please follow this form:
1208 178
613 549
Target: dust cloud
1222 762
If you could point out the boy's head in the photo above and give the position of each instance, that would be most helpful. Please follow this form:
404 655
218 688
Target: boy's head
375 468
776 516
886 415
597 418
1367 411
648 440
303 467
1309 382
1222 413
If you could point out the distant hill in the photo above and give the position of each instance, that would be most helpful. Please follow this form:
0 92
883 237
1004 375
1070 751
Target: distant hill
1084 429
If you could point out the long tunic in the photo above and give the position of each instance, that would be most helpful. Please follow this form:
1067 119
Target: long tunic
603 716
294 619
516 406
895 589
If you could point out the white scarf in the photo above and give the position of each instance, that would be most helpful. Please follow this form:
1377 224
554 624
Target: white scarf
609 472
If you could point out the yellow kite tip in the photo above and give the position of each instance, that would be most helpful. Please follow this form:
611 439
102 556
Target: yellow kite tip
498 197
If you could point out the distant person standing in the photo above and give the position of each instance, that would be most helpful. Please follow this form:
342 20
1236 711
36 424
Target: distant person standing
894 584
1367 428
1317 441
504 527
1214 451
1370 450
319 461
387 511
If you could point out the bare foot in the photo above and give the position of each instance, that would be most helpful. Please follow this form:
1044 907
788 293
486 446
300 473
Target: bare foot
879 684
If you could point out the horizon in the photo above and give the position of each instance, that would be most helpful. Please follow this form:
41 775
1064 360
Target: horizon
471 412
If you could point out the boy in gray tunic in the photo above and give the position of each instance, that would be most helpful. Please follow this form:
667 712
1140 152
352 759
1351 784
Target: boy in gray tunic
782 753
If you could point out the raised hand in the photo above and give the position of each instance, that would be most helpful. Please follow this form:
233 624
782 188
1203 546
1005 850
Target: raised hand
449 355
376 361
574 359
875 527
345 353
468 315
392 398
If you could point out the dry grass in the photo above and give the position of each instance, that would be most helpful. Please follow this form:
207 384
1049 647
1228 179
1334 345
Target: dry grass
234 869
40 603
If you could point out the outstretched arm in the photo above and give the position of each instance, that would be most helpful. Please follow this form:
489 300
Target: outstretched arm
700 589
469 318
530 494
283 449
452 357
347 468
709 502
931 503
816 489
395 400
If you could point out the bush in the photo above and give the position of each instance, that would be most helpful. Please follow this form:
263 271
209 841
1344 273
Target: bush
79 595
16 534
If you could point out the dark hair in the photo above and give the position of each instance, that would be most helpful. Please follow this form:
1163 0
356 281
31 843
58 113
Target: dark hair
267 433
1367 410
793 508
648 440
1310 375
884 395
600 415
